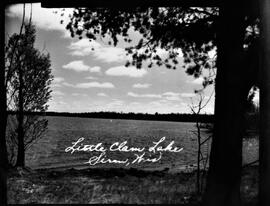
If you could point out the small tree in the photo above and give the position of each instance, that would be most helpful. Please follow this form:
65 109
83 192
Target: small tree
28 77
196 110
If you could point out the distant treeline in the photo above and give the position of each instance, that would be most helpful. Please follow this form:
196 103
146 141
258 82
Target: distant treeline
177 117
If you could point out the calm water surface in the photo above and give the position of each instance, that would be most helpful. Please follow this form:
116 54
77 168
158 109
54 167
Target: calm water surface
49 152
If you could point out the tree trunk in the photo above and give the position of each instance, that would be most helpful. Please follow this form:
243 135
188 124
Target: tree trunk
21 152
224 175
264 154
198 157
3 114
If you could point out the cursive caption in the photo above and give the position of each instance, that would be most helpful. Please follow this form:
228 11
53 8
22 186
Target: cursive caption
140 154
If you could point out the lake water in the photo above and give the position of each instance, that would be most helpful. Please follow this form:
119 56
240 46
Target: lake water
49 152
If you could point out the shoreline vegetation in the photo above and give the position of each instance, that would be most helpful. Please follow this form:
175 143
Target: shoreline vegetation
175 117
252 118
114 186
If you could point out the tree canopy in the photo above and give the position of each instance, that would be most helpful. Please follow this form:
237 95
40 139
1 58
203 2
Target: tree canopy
191 29
28 79
35 66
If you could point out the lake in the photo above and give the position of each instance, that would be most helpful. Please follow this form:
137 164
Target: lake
49 152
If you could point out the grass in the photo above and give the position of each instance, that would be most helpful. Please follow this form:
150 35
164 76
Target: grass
102 186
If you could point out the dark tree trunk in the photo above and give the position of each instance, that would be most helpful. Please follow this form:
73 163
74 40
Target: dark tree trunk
21 152
198 158
264 184
3 114
224 176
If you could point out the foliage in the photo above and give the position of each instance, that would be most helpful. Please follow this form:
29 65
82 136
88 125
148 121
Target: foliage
36 72
20 55
191 31
34 126
167 29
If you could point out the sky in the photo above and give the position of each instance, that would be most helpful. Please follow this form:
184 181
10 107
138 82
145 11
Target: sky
87 80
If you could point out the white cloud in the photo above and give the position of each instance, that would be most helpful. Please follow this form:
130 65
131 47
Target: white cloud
43 18
102 94
126 71
54 85
159 105
95 69
57 82
84 47
58 79
187 95
197 81
141 86
58 106
78 95
79 66
115 105
155 104
86 85
135 103
106 54
94 85
57 93
144 95
67 84
90 77
75 94
172 96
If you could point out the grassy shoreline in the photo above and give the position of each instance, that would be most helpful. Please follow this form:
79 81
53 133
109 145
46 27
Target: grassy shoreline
114 186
